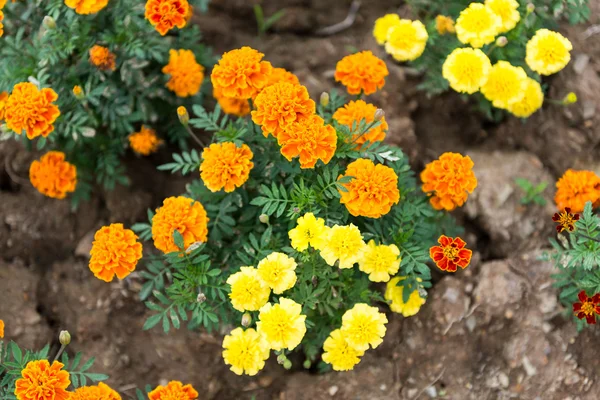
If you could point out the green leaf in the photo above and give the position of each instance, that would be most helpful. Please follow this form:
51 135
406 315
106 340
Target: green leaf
152 321
178 239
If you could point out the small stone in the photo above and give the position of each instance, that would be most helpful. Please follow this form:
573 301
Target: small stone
383 387
431 392
530 370
333 390
581 61
412 393
503 379
471 323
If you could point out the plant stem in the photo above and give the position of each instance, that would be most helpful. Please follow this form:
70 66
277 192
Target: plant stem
193 135
588 237
60 351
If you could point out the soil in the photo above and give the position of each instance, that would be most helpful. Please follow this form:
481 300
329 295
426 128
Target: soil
493 331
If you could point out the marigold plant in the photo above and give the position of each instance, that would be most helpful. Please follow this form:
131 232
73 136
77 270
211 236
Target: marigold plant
31 110
86 6
449 180
115 251
97 392
575 188
225 166
356 111
165 15
186 75
361 73
144 142
53 176
184 215
41 380
103 58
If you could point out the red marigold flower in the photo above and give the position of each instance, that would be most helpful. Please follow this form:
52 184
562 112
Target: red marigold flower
30 109
575 188
103 58
566 220
115 251
450 254
175 390
53 176
42 381
361 72
164 15
588 307
241 73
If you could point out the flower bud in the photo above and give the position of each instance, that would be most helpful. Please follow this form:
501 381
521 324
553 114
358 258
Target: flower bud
201 298
78 92
501 41
379 114
183 115
307 364
324 99
246 320
530 8
570 98
281 359
49 22
64 338
287 364
263 218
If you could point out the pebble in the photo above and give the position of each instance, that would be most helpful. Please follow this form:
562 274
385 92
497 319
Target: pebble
333 390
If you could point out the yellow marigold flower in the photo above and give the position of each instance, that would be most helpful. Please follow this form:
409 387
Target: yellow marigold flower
86 6
531 102
186 74
339 353
144 142
444 24
184 215
78 91
380 261
246 351
1 329
507 10
42 381
308 139
356 111
248 291
406 40
364 325
240 74
115 251
548 52
575 188
361 73
282 325
448 180
99 392
31 110
237 107
570 98
53 176
383 25
393 294
225 166
477 25
103 58
164 15
3 100
344 243
278 271
506 84
466 69
373 190
280 105
174 390
309 230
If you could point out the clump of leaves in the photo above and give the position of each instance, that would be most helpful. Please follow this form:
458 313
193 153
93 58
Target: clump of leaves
532 194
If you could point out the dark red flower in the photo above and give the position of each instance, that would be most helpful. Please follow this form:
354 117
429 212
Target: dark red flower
565 220
450 254
588 307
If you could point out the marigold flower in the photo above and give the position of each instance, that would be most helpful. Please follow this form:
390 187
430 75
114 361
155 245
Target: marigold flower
444 24
282 325
361 73
174 390
588 307
1 24
344 243
225 166
240 74
144 142
237 107
99 392
450 254
248 291
78 91
184 215
393 294
246 351
308 139
278 271
53 176
186 74
449 179
566 220
466 70
406 40
3 100
164 15
506 85
280 105
548 52
477 25
103 58
575 188
507 10
373 190
570 98
86 6
339 353
281 75
309 231
115 251
380 261
356 111
189 14
31 109
531 102
1 329
42 381
364 325
383 25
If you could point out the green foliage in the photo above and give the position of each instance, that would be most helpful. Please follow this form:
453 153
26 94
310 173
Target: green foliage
263 24
532 194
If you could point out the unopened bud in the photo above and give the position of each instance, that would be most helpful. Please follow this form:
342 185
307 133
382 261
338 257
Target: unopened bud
78 92
379 114
324 99
570 98
64 338
246 320
530 8
263 218
307 364
281 359
183 115
314 281
193 247
501 41
287 364
201 298
296 210
49 22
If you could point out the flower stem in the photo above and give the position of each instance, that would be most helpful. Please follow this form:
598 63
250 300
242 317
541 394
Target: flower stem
60 351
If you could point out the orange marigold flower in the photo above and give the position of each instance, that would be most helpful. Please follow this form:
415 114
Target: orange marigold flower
99 392
184 215
175 390
1 24
42 381
1 329
3 99
186 74
31 109
588 307
240 73
190 14
280 105
103 58
53 176
238 107
310 140
361 72
356 111
372 191
450 254
164 15
144 142
115 251
280 75
566 220
86 6
225 166
448 180
575 188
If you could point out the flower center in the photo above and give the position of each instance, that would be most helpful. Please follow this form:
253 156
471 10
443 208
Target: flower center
588 308
450 252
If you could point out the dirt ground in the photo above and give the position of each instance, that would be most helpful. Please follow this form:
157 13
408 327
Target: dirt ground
493 331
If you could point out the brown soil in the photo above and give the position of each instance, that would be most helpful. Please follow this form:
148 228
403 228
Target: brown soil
493 331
